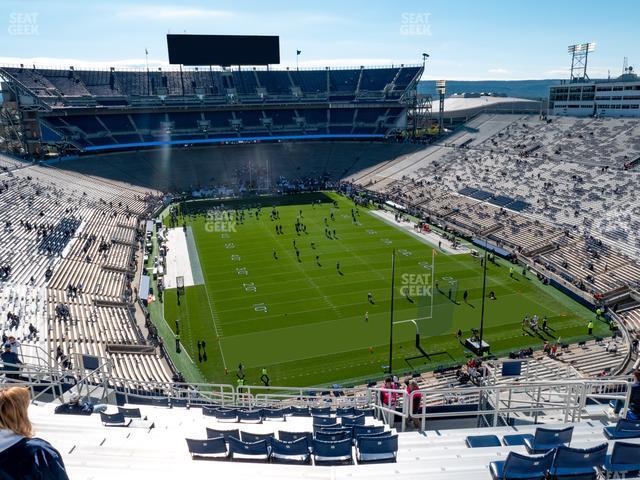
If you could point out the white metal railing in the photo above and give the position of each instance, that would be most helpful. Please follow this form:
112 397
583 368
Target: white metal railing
496 405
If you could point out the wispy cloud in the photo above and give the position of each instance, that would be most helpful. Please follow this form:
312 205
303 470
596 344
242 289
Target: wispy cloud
157 12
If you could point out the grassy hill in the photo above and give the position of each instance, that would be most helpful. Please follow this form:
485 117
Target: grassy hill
534 89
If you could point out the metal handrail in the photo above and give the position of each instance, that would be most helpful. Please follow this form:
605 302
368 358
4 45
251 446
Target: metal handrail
569 396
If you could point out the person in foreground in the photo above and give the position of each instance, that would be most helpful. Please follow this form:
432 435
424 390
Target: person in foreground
23 457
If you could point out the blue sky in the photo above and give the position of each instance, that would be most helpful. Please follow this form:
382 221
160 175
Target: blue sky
466 39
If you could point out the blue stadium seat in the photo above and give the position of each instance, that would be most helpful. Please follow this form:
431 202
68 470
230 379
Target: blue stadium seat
623 429
209 448
321 411
255 437
293 436
332 436
583 462
332 452
522 467
624 458
516 439
275 414
377 449
481 441
547 439
130 412
114 420
367 430
368 412
209 411
239 450
324 421
386 433
296 451
228 416
300 412
345 412
351 421
250 416
225 434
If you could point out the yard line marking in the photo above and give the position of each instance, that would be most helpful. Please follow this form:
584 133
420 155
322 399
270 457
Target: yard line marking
215 326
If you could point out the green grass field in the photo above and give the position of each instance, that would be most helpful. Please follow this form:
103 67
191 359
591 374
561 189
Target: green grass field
305 321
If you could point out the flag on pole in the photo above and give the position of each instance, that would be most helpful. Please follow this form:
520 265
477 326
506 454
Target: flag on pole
146 52
298 52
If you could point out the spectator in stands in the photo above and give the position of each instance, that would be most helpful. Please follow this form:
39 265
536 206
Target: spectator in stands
11 362
21 455
416 407
387 397
14 344
76 407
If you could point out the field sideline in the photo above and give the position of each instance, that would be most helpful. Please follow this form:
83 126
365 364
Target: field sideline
310 323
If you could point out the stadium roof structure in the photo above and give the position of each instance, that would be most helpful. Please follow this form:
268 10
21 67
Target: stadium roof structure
464 106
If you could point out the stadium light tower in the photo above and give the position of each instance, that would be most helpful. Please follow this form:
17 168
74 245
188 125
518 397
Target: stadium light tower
579 56
441 87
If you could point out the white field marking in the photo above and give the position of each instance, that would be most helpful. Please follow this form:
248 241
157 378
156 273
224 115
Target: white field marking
215 327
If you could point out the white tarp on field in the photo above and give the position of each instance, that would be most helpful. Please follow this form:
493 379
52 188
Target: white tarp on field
178 264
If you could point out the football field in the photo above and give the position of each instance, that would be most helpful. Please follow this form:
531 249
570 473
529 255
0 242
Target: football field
317 311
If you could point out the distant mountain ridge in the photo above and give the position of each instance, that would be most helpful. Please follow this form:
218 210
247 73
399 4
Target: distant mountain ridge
513 88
